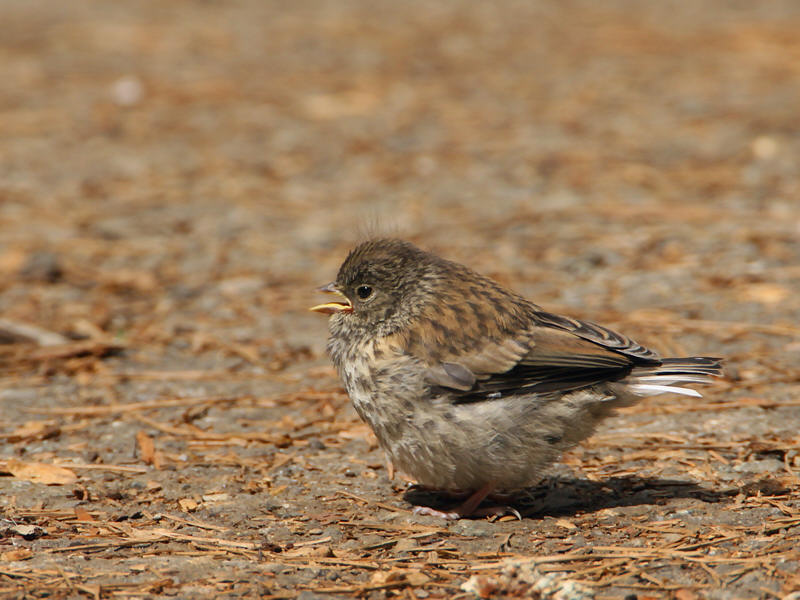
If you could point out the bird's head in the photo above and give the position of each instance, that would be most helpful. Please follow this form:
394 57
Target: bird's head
381 285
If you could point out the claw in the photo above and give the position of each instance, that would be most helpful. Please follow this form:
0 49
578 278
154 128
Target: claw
498 511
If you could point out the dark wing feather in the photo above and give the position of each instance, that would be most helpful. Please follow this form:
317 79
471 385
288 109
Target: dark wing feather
598 335
555 354
525 380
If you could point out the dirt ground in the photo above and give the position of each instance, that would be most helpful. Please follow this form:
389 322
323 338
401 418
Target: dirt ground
178 177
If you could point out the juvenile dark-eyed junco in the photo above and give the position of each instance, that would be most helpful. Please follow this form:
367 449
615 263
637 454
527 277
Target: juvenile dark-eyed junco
469 386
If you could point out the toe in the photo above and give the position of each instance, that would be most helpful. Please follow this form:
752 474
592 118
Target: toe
432 512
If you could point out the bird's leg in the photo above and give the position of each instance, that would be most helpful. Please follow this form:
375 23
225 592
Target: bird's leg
470 505
466 508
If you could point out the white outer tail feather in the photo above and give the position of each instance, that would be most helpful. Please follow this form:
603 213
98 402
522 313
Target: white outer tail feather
672 374
651 389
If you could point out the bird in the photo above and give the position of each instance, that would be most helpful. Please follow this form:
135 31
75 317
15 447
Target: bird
469 387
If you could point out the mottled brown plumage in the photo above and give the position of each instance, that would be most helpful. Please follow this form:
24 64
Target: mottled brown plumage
469 386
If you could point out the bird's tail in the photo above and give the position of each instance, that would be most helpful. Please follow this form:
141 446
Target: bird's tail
672 374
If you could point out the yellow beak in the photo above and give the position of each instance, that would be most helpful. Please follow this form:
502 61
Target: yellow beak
330 308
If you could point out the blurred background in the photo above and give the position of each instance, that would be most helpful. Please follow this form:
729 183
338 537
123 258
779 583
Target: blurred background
161 160
176 178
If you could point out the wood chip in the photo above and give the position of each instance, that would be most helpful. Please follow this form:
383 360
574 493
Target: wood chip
37 472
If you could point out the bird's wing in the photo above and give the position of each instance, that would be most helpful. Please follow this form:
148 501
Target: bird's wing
552 354
461 371
603 337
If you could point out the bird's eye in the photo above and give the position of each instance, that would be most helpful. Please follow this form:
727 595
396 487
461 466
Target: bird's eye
364 291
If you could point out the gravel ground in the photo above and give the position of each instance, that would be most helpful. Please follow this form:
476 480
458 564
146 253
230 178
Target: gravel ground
178 177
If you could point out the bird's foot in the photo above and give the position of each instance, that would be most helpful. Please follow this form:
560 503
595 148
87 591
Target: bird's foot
470 508
455 514
432 512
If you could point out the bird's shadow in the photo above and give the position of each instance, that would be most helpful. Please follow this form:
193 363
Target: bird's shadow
559 497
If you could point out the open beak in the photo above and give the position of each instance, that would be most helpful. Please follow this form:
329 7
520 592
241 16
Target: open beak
330 308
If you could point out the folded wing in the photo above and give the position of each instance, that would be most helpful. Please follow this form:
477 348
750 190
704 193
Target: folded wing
553 354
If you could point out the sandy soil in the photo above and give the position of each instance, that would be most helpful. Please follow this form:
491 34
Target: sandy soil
178 177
